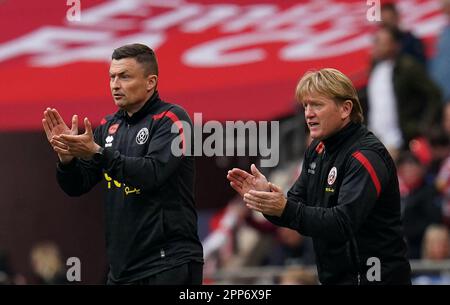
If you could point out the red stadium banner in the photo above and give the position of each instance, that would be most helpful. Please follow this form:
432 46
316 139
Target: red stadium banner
230 60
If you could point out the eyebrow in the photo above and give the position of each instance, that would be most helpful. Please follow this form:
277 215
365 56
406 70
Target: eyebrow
121 72
315 101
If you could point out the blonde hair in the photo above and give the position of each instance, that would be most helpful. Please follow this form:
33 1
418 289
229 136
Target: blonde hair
333 84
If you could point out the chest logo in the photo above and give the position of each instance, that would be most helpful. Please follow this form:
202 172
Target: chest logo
312 167
332 176
142 136
108 141
113 128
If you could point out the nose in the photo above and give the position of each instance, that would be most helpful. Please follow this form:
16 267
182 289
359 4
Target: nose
309 113
115 83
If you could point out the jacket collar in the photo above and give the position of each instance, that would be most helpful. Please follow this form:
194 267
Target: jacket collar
337 139
152 103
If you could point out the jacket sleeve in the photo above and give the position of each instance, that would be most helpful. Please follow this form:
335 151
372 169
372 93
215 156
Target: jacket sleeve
79 176
365 177
152 170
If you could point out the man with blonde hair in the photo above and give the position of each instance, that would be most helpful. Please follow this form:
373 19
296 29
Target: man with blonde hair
347 196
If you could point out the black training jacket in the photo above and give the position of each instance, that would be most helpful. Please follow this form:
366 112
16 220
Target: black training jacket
151 222
347 199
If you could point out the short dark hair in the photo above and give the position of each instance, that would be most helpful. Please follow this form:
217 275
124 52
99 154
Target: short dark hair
389 7
394 32
141 53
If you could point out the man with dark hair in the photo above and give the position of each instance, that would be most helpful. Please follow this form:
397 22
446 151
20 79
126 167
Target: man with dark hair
151 233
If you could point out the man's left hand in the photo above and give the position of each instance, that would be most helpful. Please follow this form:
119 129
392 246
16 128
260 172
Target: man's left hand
81 146
269 203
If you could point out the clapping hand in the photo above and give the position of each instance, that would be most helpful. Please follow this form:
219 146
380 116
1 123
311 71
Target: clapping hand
54 125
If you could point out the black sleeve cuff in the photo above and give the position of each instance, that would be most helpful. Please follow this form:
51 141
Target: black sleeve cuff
108 157
291 212
289 216
66 167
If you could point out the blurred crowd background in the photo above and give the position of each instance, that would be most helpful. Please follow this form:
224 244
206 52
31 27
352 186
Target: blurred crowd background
404 86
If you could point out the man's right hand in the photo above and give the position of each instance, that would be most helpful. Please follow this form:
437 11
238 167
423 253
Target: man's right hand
242 181
54 125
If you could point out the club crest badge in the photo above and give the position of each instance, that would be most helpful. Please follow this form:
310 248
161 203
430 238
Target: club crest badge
332 176
142 136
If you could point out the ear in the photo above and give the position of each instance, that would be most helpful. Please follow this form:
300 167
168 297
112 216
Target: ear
152 81
346 109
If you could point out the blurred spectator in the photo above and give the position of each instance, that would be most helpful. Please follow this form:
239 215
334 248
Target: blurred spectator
409 44
292 249
418 201
443 186
420 147
5 270
47 264
436 245
439 144
440 65
238 237
402 101
446 119
436 248
296 275
7 276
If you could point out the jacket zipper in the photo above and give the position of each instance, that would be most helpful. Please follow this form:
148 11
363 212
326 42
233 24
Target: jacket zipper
353 242
321 179
358 260
126 147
